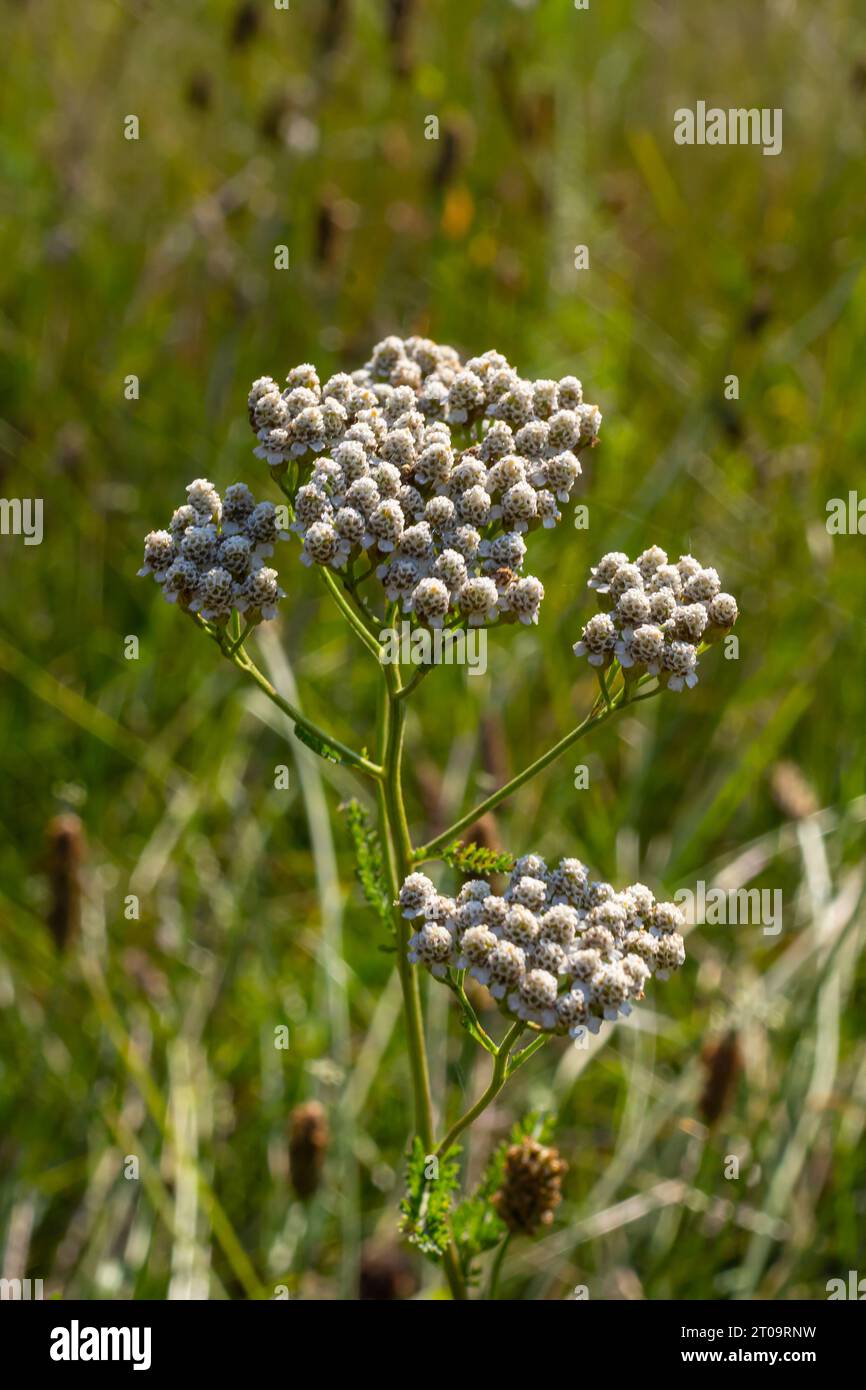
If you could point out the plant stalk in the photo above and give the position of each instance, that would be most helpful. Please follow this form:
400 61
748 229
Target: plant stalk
497 1081
347 755
592 721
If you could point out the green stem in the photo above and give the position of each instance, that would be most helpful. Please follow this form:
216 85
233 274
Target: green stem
648 695
592 721
476 1028
347 755
414 682
496 1267
398 857
355 616
497 1081
602 680
518 1058
236 646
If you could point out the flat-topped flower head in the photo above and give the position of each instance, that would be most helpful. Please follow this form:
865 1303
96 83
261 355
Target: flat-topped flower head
450 567
583 963
204 499
237 504
494 911
688 622
662 605
532 866
612 989
679 661
475 890
321 545
535 999
433 946
199 545
649 561
602 573
644 646
210 560
569 883
465 915
658 617
180 582
414 894
477 944
670 955
214 595
561 951
547 955
468 448
160 552
506 473
522 598
559 924
430 601
722 610
633 609
236 555
529 892
479 599
598 640
664 918
666 577
260 595
628 578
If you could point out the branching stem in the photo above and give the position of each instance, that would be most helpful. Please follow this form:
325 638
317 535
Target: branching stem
355 613
400 856
346 755
497 1081
592 721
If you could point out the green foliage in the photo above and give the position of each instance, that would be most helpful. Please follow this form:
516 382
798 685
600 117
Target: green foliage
156 257
468 1017
369 861
475 859
427 1205
538 1124
477 1226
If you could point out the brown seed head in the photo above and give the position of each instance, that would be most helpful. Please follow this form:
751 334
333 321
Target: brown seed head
66 850
309 1136
531 1186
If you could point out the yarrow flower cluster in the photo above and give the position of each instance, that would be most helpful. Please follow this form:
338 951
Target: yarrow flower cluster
443 523
211 558
655 615
558 950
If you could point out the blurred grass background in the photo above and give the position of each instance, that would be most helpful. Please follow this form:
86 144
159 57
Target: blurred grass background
153 1036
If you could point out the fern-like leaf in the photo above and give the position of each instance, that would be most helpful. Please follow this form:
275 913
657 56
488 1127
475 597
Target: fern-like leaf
369 861
476 1223
475 859
430 1185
